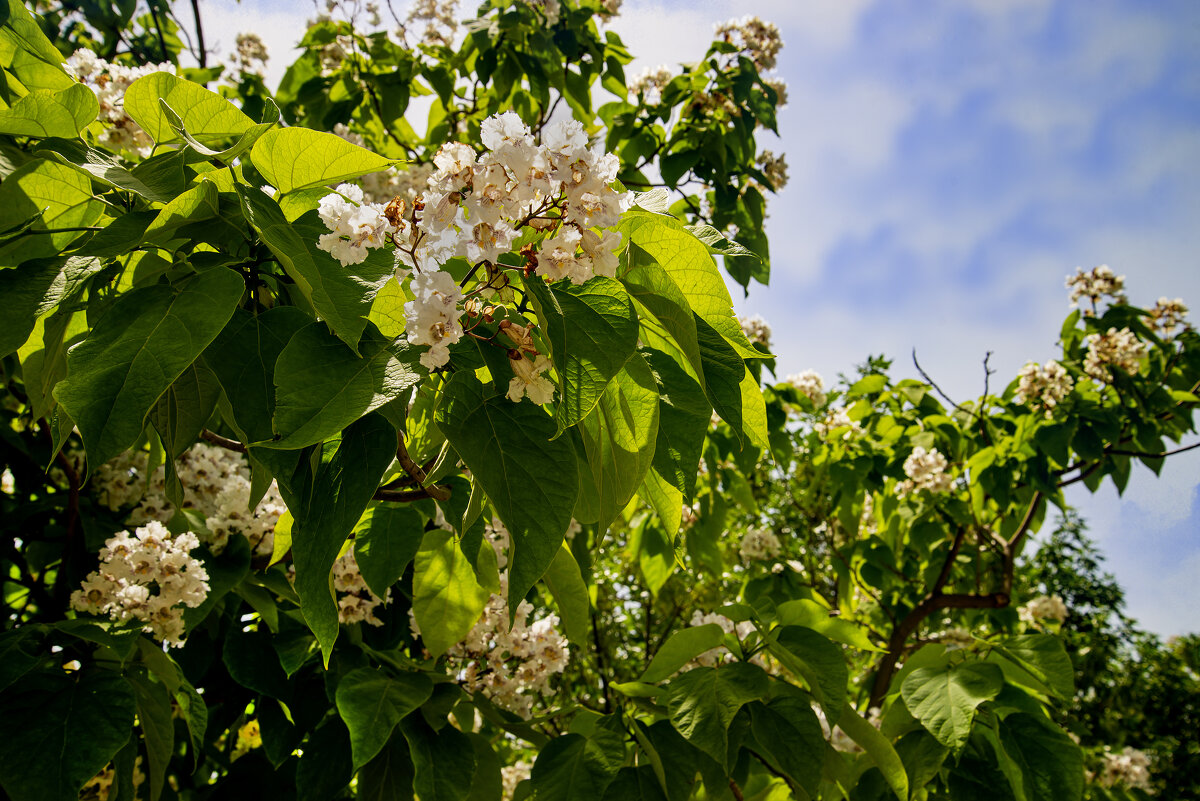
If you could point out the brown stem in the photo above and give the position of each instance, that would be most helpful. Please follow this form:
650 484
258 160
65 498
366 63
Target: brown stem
222 442
202 55
737 791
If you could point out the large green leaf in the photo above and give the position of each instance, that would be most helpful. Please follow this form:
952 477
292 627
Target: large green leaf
206 115
46 758
299 158
323 385
684 417
650 284
43 113
531 481
1045 658
447 598
148 179
63 198
723 374
1051 764
944 699
819 661
385 540
325 767
788 732
702 703
341 295
326 514
138 348
574 767
689 265
680 648
225 155
195 205
444 760
158 727
571 594
184 409
592 330
27 53
243 356
34 289
372 702
618 436
878 748
389 776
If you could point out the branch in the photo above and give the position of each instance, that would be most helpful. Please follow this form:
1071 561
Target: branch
222 442
929 380
202 56
1160 455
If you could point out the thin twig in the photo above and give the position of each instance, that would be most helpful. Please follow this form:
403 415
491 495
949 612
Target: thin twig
222 442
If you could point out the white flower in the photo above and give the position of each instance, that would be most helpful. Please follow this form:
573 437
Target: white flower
8 484
810 385
926 470
109 83
1095 284
759 544
529 380
355 226
1130 768
757 38
837 420
1042 608
358 603
1113 349
1169 315
557 257
756 329
650 83
1043 387
432 317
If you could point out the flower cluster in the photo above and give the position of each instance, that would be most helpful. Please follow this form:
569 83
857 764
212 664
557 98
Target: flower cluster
650 83
131 567
759 544
1095 284
810 385
1043 608
774 167
511 776
755 37
250 58
836 420
216 483
249 737
432 317
109 82
1120 349
757 330
509 666
8 484
551 8
781 92
1043 387
355 225
1130 768
926 470
440 18
358 603
1168 315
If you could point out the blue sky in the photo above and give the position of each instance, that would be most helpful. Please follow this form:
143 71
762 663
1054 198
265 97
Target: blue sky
951 162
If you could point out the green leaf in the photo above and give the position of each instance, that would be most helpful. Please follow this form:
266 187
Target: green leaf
50 760
27 53
225 572
648 282
385 540
878 748
1051 764
206 115
43 113
16 658
244 355
619 436
298 158
703 702
324 517
63 198
680 648
922 756
811 614
324 386
944 699
253 662
196 204
158 727
488 782
571 593
575 767
447 598
724 372
152 184
444 760
389 776
592 329
247 138
372 702
138 348
34 289
341 295
1044 656
184 409
788 731
325 768
688 263
656 557
531 481
819 662
684 417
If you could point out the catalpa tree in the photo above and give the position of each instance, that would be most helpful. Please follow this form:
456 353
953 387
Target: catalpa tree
329 443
